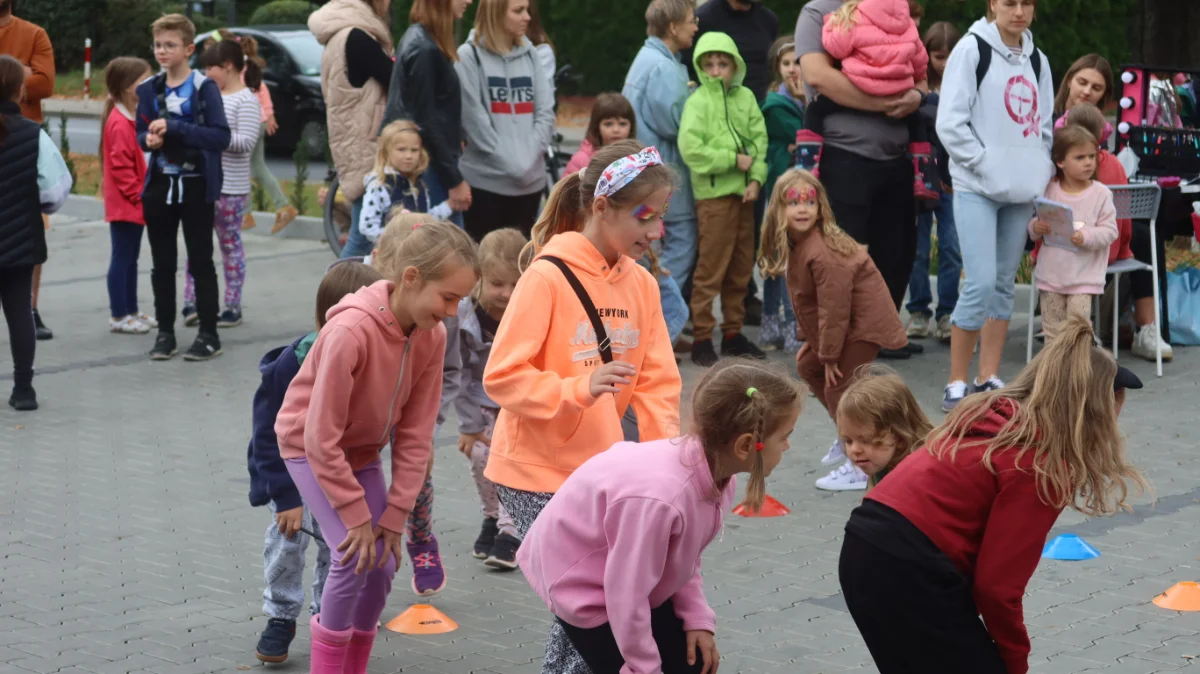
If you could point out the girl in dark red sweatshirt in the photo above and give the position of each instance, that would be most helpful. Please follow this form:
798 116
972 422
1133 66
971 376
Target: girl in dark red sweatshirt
956 530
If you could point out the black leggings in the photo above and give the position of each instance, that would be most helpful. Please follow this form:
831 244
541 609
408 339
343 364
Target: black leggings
915 619
16 298
1141 283
599 648
163 222
490 211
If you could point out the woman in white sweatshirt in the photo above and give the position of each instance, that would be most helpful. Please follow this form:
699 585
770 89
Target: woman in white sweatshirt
995 121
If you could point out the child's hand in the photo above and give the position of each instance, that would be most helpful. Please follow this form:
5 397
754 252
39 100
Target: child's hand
272 125
1077 238
153 142
322 195
744 162
359 541
1041 228
701 642
800 354
391 545
751 193
467 440
832 374
158 127
606 378
289 521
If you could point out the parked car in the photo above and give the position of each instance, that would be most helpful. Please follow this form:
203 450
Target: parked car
293 76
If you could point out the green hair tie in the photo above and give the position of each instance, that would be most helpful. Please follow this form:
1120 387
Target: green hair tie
751 391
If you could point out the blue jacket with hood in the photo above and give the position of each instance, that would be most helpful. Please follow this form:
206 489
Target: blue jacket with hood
210 138
269 478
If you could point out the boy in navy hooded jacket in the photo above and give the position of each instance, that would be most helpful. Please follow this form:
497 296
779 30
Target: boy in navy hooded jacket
271 485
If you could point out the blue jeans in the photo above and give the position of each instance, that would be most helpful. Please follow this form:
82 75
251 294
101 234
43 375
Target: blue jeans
438 193
775 293
357 245
675 310
679 250
122 267
949 262
992 240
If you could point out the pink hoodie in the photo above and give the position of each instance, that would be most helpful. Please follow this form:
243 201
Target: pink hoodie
365 382
1079 273
881 53
623 535
580 159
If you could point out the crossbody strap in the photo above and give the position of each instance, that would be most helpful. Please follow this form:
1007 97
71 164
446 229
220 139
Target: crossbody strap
602 343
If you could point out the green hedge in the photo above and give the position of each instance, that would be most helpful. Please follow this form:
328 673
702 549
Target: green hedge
281 11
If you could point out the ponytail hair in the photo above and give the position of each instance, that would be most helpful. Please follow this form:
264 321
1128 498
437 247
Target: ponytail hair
255 65
12 80
226 48
417 240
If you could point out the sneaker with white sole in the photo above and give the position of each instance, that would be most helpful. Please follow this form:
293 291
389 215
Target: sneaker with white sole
918 326
846 477
993 383
1147 340
942 332
127 326
835 455
150 321
955 392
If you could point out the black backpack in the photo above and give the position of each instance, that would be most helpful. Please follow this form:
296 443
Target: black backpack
188 158
985 61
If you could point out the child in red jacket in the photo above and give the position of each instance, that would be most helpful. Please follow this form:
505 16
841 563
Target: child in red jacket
956 530
124 177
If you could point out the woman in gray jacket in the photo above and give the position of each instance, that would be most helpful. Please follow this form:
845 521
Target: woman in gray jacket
507 118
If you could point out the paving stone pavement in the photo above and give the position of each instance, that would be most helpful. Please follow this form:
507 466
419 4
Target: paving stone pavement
129 545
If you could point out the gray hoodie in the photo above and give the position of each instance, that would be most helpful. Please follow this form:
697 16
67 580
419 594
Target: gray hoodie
998 135
462 374
507 118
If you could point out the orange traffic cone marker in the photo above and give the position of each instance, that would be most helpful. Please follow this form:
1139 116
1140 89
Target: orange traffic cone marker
1183 596
770 508
422 619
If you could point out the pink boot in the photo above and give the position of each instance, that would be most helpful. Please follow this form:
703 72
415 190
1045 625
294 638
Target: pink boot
359 652
328 649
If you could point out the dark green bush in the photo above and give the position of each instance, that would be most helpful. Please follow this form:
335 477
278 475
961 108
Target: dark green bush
66 21
281 11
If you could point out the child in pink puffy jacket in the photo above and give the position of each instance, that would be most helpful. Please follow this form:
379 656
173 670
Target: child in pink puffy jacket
881 53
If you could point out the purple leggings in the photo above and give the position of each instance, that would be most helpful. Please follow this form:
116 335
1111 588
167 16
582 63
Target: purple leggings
348 599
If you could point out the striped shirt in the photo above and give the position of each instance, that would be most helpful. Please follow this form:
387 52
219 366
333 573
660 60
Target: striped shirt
244 115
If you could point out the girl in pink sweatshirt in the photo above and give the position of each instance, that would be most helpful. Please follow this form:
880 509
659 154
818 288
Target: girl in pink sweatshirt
374 375
612 120
1070 272
616 553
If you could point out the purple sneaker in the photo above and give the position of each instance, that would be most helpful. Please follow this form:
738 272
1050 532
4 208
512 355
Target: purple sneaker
428 575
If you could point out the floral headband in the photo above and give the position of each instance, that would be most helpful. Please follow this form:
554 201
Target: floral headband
622 172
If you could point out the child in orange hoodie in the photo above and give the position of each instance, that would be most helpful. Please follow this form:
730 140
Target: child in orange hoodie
373 375
561 390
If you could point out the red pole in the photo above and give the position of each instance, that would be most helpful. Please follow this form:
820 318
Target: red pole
87 68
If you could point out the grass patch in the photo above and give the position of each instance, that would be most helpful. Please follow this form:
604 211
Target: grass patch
70 84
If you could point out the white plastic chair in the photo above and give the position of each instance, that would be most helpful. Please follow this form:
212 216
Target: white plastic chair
1135 202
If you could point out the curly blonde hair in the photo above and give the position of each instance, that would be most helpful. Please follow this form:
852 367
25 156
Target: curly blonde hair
879 399
776 246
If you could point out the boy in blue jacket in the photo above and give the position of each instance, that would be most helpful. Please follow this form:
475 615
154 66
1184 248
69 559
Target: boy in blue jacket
181 123
271 485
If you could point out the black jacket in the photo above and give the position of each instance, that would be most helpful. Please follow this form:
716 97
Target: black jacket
425 89
753 31
22 235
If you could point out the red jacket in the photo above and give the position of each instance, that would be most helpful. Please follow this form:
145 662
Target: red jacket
124 169
991 525
1110 172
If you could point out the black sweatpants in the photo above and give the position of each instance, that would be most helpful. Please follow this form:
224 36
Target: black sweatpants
490 211
873 201
599 648
189 207
916 619
1141 283
16 299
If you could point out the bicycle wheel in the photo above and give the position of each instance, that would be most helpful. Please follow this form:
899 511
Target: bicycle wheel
337 218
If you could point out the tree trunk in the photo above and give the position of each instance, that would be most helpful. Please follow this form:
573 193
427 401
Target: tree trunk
1165 34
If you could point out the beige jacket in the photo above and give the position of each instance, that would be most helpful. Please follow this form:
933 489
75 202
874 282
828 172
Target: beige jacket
353 115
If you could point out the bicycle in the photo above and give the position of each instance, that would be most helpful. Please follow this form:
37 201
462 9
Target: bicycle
556 158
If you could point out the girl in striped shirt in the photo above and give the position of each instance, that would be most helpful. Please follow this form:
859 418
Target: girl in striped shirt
224 62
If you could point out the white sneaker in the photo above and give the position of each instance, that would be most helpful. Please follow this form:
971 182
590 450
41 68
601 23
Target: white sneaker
846 478
835 455
149 321
1147 340
128 326
918 326
943 329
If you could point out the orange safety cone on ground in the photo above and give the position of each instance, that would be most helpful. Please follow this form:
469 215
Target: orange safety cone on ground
1183 596
422 619
770 508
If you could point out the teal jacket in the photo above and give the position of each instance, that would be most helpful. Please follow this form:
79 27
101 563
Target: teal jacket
718 125
784 116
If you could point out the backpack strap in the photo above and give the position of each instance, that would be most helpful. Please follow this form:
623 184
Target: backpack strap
160 94
985 60
602 343
1036 60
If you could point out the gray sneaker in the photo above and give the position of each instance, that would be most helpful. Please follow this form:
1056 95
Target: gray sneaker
918 326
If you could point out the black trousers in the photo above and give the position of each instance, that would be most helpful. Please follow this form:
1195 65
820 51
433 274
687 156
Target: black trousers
16 299
873 201
915 619
1141 283
490 211
188 208
599 649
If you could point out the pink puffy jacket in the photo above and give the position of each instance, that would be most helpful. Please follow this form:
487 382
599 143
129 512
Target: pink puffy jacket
881 53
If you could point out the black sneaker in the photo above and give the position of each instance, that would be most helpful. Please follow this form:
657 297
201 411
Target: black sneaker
487 538
896 354
190 317
703 353
43 333
23 399
230 318
740 345
273 644
164 347
913 348
206 347
504 553
754 310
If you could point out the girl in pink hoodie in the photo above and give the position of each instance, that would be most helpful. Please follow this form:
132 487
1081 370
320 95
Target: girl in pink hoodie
612 119
615 555
374 375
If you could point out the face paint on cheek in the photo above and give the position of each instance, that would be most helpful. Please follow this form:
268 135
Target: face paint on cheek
643 212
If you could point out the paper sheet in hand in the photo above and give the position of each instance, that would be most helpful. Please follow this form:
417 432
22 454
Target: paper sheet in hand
1061 221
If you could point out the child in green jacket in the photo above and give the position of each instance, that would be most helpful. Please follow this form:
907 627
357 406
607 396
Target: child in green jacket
723 140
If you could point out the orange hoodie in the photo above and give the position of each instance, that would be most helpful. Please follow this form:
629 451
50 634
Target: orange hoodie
544 355
363 382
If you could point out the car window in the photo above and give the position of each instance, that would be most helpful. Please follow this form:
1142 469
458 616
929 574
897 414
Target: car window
278 63
305 51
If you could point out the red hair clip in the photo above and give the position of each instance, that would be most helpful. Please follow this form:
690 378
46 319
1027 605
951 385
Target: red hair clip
758 446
